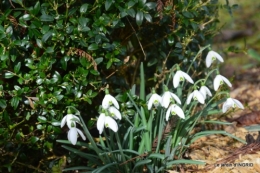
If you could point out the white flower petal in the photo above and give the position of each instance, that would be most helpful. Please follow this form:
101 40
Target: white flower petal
107 101
178 111
111 123
210 56
176 98
166 99
176 79
63 121
187 77
217 82
73 135
205 91
199 96
226 81
178 75
115 112
238 103
70 122
154 98
101 122
168 113
81 134
189 98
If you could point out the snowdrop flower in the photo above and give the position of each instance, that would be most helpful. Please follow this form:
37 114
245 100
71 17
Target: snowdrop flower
69 119
180 76
205 91
196 95
108 101
174 110
219 80
106 121
114 112
73 135
167 98
231 103
212 56
155 100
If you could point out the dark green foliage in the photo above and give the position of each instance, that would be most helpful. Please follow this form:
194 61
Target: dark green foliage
56 54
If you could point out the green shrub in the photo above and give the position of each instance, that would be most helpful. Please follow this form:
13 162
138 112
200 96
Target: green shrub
56 54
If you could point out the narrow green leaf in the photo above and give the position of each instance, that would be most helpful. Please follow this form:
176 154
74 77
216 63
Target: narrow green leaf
169 164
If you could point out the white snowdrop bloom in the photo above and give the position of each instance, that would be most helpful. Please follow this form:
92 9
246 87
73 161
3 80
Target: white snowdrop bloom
196 95
73 135
106 121
212 56
180 76
114 112
219 80
174 110
167 97
205 91
231 103
109 101
155 100
70 119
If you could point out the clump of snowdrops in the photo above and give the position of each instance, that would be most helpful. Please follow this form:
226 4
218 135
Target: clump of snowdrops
139 133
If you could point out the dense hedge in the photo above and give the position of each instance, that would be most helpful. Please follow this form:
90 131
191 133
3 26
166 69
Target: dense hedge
63 53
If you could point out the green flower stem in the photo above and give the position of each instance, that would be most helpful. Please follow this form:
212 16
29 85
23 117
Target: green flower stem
91 140
176 138
142 83
121 151
198 54
131 139
150 125
161 130
210 72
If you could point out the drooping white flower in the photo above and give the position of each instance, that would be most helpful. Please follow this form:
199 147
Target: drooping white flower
219 80
174 110
70 119
180 76
73 135
167 97
196 95
205 91
106 121
212 56
230 102
114 112
109 101
155 100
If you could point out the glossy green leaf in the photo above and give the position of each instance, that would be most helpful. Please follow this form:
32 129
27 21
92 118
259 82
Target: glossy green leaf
15 102
2 103
46 18
84 8
148 17
8 75
93 46
108 3
17 67
42 119
139 17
